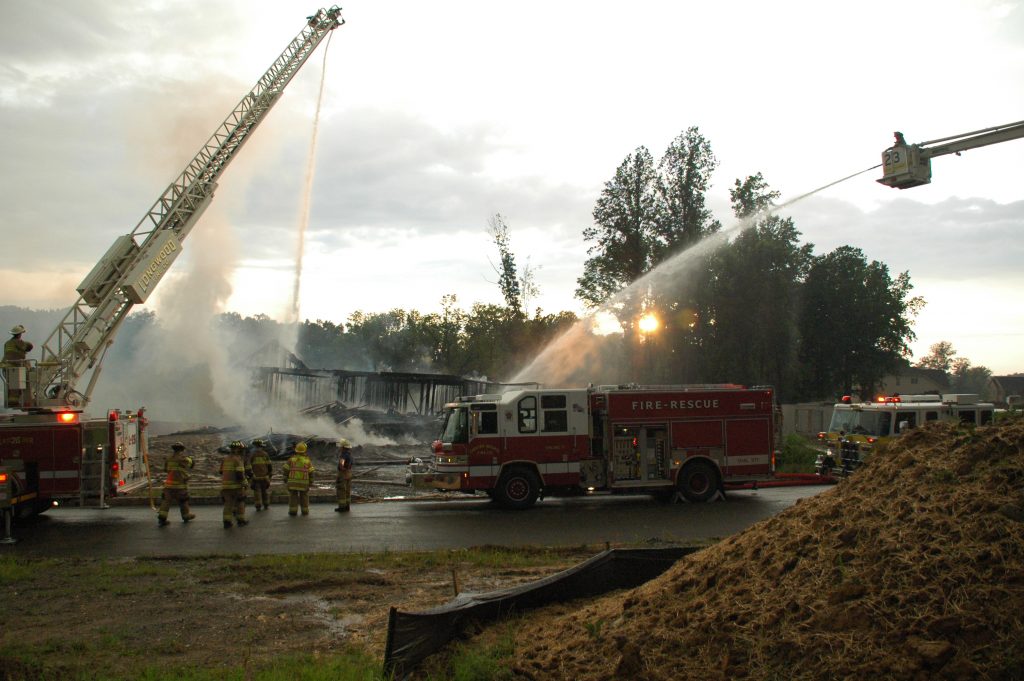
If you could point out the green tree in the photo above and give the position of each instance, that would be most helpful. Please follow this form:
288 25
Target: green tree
968 378
940 356
684 177
508 279
624 231
855 323
752 295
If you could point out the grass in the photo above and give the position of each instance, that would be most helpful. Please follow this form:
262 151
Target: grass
121 644
311 566
353 665
797 455
478 661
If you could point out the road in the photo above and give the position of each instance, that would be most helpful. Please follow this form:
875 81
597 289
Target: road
123 532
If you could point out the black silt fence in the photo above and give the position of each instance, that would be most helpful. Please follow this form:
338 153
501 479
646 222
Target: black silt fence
414 636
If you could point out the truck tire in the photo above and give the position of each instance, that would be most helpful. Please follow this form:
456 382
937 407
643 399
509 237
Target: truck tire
518 488
698 481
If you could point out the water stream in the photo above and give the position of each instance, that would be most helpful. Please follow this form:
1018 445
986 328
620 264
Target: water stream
566 358
307 193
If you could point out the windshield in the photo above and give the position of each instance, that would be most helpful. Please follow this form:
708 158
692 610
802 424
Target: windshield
861 422
455 426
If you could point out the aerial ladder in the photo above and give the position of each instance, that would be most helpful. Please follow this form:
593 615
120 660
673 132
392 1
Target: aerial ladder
910 165
129 271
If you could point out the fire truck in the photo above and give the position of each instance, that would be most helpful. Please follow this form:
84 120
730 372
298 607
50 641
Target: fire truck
49 449
626 439
856 427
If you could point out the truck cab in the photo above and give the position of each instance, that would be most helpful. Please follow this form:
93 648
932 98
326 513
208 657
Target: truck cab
857 426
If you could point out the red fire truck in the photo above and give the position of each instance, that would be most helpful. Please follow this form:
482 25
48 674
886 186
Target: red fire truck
59 456
658 440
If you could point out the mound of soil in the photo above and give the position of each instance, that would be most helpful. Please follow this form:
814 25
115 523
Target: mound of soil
913 568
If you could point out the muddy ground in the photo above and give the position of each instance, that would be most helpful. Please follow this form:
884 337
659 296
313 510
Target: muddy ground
84 619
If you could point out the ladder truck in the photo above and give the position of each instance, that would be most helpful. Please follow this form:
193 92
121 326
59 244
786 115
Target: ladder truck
49 450
907 165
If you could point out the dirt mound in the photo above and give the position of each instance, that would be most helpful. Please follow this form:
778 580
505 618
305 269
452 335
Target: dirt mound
911 569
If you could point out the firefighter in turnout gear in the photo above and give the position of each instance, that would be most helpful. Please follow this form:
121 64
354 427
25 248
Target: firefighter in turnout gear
299 473
179 469
259 471
232 485
343 484
16 355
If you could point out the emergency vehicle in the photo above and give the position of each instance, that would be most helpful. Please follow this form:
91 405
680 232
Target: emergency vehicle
61 457
857 426
48 448
658 440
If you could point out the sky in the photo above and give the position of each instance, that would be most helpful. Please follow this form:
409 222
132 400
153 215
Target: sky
438 115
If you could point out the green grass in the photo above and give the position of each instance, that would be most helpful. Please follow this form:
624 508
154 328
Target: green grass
797 456
13 570
352 665
478 662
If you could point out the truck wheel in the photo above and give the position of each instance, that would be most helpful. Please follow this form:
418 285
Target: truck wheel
698 481
518 488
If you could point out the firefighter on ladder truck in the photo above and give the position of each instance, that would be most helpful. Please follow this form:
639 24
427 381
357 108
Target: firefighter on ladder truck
910 165
659 440
54 450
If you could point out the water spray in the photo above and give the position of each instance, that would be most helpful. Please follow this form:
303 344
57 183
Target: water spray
308 191
575 347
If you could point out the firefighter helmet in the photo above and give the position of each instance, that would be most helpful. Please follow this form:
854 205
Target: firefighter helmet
344 444
237 444
178 447
19 329
300 448
258 442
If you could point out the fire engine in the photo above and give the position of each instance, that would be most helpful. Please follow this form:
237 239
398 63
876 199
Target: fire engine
659 440
50 449
857 426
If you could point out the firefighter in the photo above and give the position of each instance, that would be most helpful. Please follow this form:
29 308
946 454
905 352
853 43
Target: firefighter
15 355
179 469
259 472
16 349
343 484
232 485
299 473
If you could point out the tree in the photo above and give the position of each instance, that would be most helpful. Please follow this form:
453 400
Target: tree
970 379
684 177
940 356
751 295
854 322
508 281
624 231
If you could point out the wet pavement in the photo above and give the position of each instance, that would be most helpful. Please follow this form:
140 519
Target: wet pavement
397 525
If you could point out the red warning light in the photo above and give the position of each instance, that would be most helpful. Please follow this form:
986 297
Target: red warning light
67 417
3 478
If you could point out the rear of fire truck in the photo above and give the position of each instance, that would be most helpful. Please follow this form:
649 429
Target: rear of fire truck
857 427
61 457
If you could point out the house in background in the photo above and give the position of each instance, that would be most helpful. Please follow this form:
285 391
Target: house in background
1001 388
915 381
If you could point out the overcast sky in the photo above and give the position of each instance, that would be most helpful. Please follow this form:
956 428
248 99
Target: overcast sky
438 115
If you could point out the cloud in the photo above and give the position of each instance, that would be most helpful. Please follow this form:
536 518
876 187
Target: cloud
955 239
